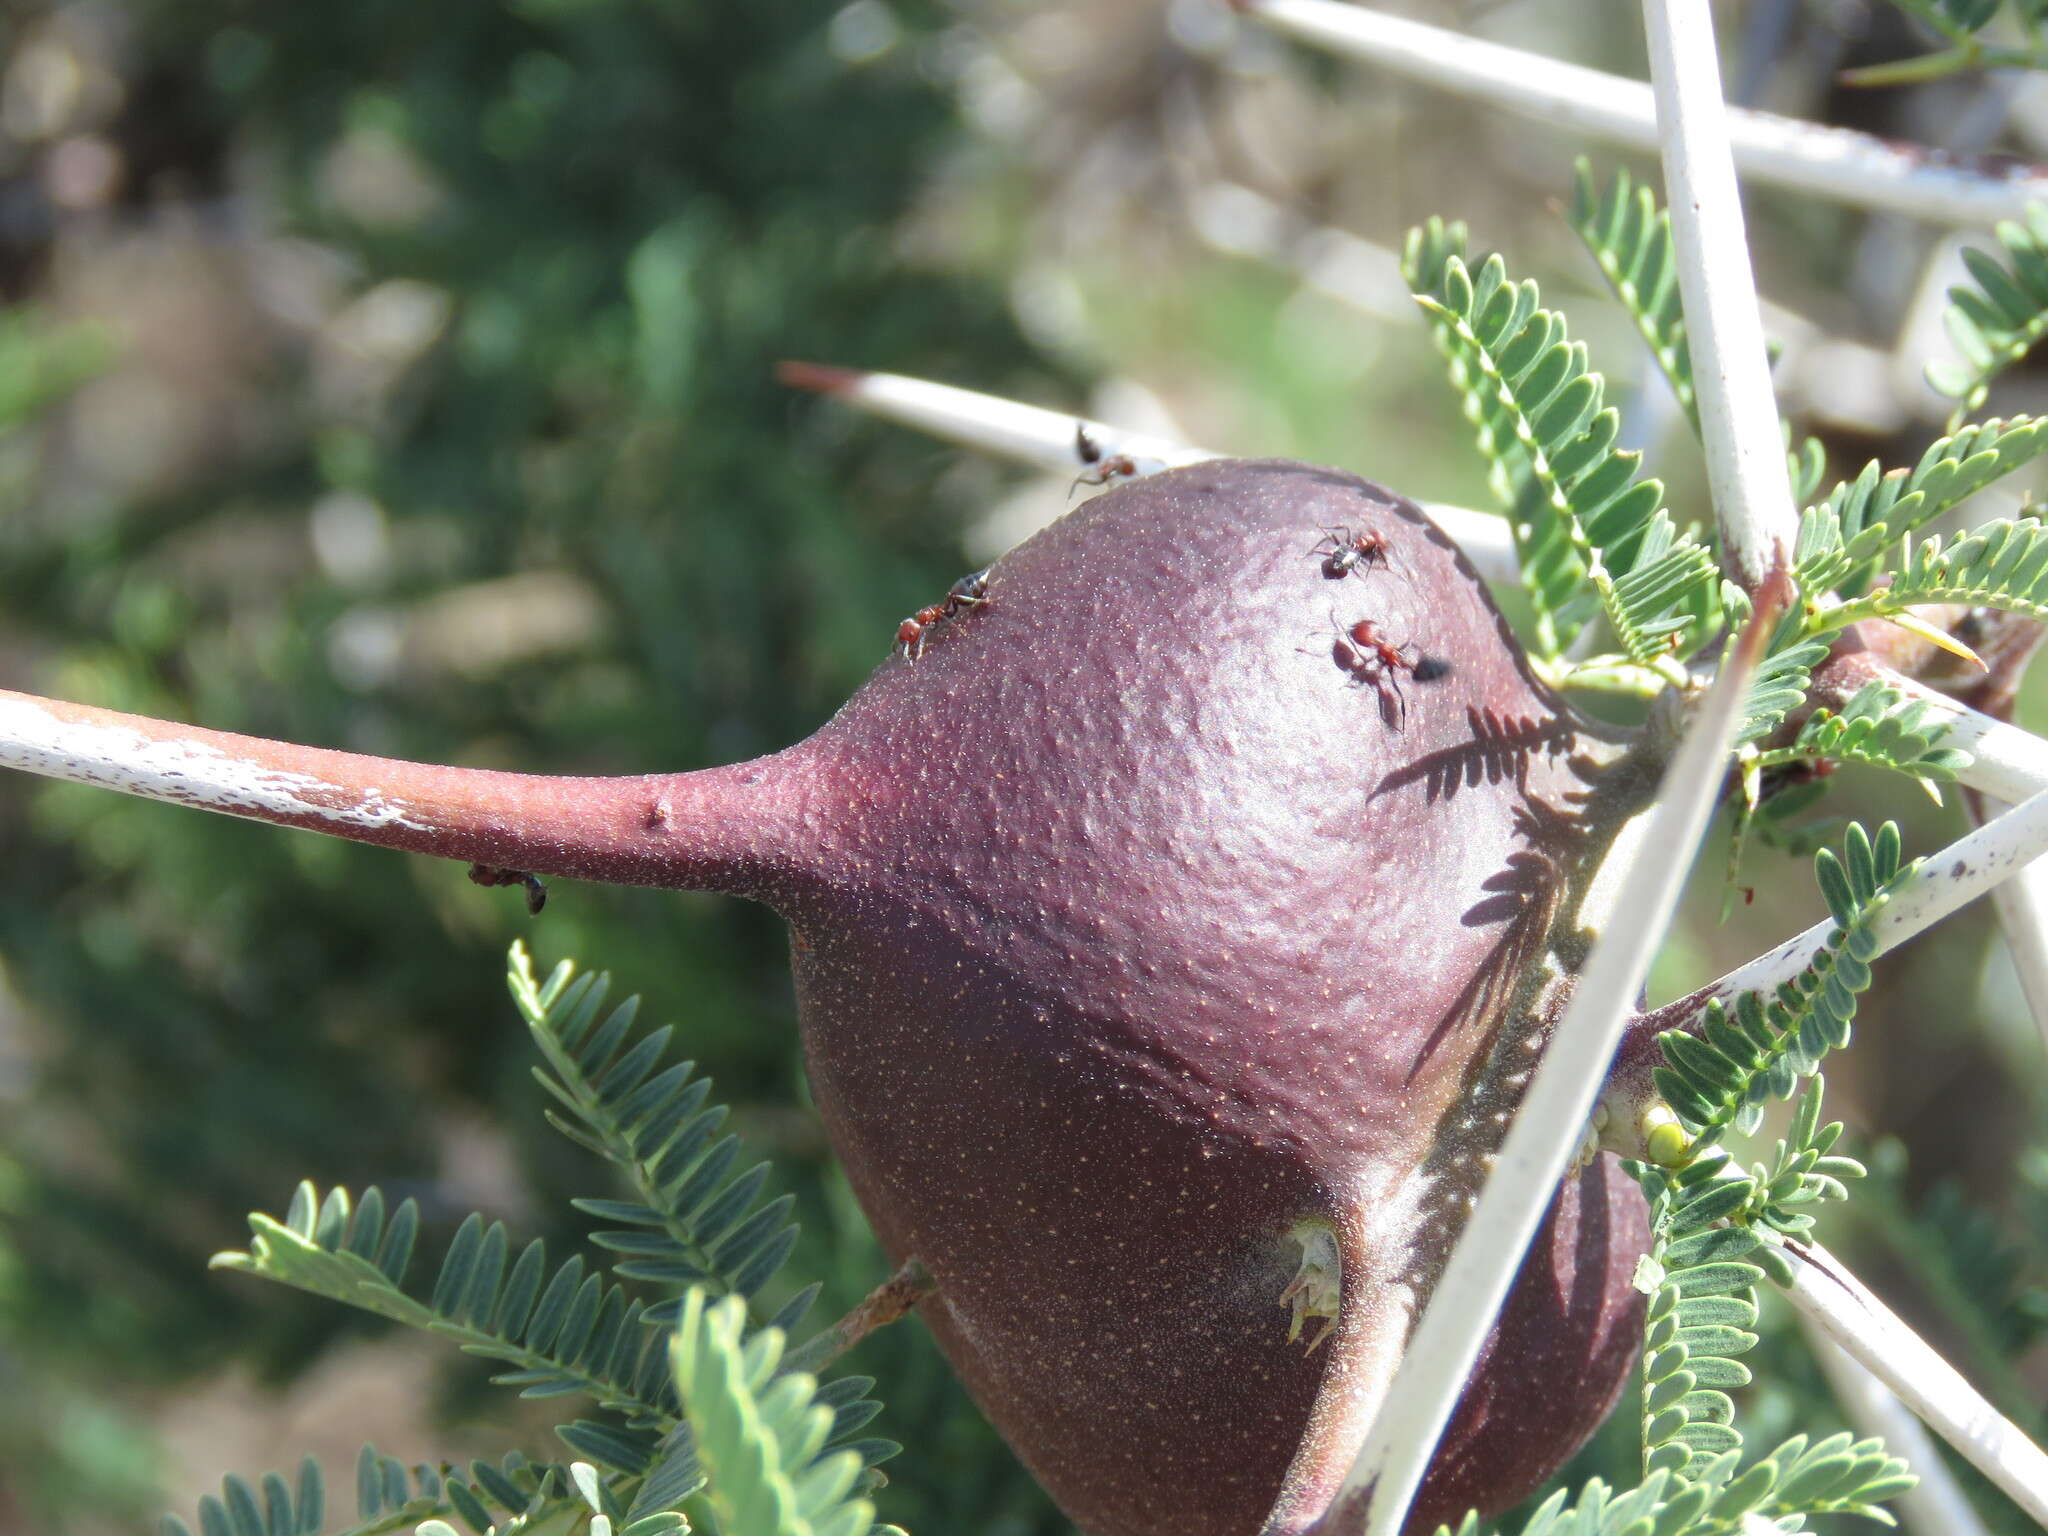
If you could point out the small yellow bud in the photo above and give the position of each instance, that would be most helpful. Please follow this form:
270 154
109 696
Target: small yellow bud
1665 1142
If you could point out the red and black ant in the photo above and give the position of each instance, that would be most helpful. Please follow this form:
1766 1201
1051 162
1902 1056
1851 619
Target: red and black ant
911 633
1102 469
970 591
1344 551
1367 656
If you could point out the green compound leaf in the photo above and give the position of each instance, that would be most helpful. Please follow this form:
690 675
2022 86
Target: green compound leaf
2002 564
1582 520
1797 1480
1843 542
1781 679
1996 319
1879 726
762 1437
1758 1050
392 1497
1629 238
1701 1313
695 1220
563 1330
581 1336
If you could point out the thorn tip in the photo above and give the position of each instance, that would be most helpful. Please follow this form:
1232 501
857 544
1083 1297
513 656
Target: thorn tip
819 378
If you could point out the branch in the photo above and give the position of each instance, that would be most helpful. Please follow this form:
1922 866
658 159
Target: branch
1966 869
1752 489
717 829
1837 164
2023 918
1848 1313
1548 1126
890 1302
2006 762
1934 1506
1030 434
1027 433
2023 900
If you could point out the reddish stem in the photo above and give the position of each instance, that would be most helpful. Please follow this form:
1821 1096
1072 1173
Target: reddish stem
733 829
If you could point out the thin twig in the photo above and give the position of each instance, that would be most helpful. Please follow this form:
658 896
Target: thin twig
1546 1129
1739 428
1838 164
2007 764
890 1302
2023 900
1934 1506
1029 434
1848 1313
1969 867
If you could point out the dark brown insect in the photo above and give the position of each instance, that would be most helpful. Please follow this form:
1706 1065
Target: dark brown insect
970 591
536 893
1102 468
1343 551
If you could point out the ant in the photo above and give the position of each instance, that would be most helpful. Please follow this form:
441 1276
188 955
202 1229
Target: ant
1369 657
1101 469
912 632
970 591
1348 551
536 893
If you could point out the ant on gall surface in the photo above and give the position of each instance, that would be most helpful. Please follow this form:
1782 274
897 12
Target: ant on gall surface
970 591
1344 551
1369 657
1102 469
913 631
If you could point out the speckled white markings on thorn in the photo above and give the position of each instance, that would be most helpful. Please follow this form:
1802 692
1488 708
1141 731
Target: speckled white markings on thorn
185 772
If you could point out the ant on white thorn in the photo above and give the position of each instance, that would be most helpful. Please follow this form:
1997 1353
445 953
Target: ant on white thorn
1102 468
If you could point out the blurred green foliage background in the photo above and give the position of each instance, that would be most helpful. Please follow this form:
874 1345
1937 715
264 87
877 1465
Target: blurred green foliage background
434 417
398 378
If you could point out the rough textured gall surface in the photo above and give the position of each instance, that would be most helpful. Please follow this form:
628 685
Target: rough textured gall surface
1156 926
1152 925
